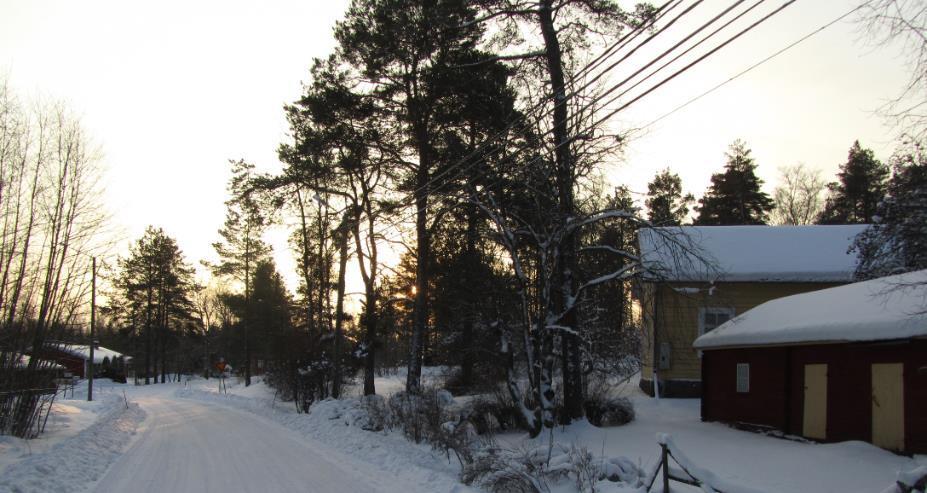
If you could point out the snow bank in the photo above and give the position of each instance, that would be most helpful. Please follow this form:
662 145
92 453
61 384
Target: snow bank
881 309
339 424
751 253
76 462
909 481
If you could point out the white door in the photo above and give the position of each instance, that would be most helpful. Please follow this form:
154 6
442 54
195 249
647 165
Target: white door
888 405
814 422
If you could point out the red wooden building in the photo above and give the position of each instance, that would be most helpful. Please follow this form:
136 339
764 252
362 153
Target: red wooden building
844 363
75 358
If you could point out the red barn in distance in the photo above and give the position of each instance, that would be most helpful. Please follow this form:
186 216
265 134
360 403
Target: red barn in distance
75 357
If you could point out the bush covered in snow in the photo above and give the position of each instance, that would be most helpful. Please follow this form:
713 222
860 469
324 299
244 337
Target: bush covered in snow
609 411
432 417
492 413
305 381
603 406
536 470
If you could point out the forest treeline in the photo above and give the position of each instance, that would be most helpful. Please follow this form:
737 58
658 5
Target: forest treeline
470 137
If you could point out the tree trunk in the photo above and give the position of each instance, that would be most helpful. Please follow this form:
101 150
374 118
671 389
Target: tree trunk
467 358
566 263
148 308
246 320
422 257
370 337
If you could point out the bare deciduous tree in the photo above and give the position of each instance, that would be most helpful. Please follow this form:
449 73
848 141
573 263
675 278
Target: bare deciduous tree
799 197
904 22
51 224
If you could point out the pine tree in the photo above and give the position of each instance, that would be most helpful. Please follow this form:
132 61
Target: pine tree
407 53
897 240
242 247
860 187
734 196
153 289
666 205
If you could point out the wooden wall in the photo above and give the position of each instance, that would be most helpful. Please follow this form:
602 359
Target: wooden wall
776 396
675 314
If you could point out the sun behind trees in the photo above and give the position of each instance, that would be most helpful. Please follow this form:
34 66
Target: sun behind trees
414 119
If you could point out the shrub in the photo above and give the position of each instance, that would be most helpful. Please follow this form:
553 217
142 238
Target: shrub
612 411
501 471
492 413
485 377
603 407
378 416
435 418
534 470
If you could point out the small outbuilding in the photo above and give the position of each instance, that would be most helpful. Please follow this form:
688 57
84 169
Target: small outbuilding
844 363
75 358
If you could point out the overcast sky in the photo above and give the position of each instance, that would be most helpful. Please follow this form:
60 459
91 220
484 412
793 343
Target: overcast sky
172 90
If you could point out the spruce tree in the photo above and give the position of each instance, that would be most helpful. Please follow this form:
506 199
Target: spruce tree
860 187
734 196
666 205
897 240
270 314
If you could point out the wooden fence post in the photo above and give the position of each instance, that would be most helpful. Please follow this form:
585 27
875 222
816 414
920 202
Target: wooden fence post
665 460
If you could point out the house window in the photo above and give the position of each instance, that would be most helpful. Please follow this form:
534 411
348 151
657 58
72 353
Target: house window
743 377
710 318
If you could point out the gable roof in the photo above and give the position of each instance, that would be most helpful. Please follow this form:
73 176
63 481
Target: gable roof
750 253
82 351
887 308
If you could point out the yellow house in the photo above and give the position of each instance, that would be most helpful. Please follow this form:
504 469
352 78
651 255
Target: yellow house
699 277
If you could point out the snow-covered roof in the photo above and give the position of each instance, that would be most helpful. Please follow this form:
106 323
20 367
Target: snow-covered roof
893 307
23 361
750 253
83 351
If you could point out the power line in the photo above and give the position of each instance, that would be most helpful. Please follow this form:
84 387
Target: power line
666 52
692 64
530 113
755 65
672 76
616 86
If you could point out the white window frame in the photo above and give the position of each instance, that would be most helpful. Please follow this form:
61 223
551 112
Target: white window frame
743 377
715 310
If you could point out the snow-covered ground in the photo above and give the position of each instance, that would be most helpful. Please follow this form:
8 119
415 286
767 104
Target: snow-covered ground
80 442
749 459
190 437
190 445
333 426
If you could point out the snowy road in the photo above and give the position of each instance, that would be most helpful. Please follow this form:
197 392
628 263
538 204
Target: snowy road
187 445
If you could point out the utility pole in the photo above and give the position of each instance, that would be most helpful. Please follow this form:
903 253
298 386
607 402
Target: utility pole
93 320
343 231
